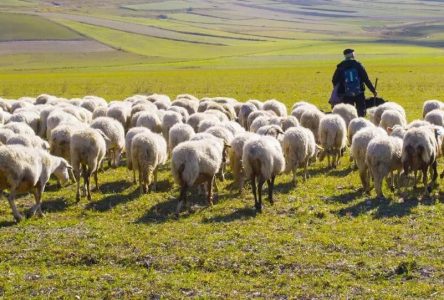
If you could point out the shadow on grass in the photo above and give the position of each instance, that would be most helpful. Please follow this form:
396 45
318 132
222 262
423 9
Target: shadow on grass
160 212
7 223
340 172
240 214
110 201
54 205
345 197
114 187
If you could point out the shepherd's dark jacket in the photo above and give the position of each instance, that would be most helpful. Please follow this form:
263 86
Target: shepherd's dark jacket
338 76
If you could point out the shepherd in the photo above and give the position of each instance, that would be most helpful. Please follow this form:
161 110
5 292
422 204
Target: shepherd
348 82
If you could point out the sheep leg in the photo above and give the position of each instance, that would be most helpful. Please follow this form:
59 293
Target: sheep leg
270 190
77 176
96 179
154 185
365 184
378 178
295 182
305 170
254 189
134 176
260 186
392 184
86 178
17 216
434 175
182 199
328 160
141 181
38 191
415 178
210 191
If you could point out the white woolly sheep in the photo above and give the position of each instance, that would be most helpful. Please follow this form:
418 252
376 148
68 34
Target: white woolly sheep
347 111
397 131
358 151
270 130
254 115
302 103
299 147
148 152
431 105
116 137
87 151
390 118
259 105
195 119
383 157
234 127
19 128
205 124
196 162
150 120
288 122
435 117
311 118
25 169
355 125
128 142
181 111
387 106
278 107
56 118
30 118
5 134
170 119
179 133
190 105
235 157
120 112
99 112
420 152
60 142
333 138
263 160
32 141
245 110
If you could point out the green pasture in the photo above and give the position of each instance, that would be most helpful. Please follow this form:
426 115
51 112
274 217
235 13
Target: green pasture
323 239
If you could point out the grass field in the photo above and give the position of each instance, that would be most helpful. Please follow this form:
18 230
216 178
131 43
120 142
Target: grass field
323 239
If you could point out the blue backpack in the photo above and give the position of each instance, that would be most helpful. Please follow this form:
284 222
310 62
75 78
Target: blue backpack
352 82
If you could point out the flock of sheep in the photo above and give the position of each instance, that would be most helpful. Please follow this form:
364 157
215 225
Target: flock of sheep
71 138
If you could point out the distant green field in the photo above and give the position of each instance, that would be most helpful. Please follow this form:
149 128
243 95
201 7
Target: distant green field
27 27
168 5
17 3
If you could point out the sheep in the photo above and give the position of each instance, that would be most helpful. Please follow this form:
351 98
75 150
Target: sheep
259 122
116 136
4 117
298 111
256 103
170 119
19 128
190 105
128 142
303 103
299 147
31 141
397 131
20 104
278 107
263 160
254 115
30 118
60 142
431 105
383 156
25 169
358 151
196 162
288 122
347 111
417 123
5 134
92 102
44 99
56 118
420 152
387 106
226 135
205 124
196 118
371 114
245 110
310 119
435 117
120 112
99 112
148 152
220 115
179 133
355 125
150 120
146 106
333 137
390 118
234 127
182 111
87 151
235 157
270 130
5 105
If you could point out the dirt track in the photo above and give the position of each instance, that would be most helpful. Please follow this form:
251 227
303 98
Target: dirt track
74 46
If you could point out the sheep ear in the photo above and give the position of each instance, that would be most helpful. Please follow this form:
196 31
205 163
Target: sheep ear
280 131
319 148
227 145
389 130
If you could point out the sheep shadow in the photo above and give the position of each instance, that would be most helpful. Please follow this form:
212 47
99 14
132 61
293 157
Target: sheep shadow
4 224
110 201
345 197
114 187
340 172
285 187
160 212
384 207
54 205
240 214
